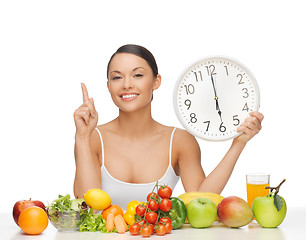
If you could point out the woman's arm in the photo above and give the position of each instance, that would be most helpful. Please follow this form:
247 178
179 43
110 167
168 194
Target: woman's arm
217 179
87 174
192 174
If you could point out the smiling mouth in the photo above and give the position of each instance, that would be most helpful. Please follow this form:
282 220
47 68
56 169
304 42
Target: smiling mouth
129 97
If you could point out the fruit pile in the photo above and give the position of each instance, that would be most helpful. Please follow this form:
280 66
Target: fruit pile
30 216
204 208
159 214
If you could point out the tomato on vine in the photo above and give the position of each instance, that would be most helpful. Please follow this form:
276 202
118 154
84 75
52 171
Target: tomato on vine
153 205
140 210
155 212
141 222
165 205
151 217
165 192
165 220
135 229
151 227
161 230
146 231
168 227
152 195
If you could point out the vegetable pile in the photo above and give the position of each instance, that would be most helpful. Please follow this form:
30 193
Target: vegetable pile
160 214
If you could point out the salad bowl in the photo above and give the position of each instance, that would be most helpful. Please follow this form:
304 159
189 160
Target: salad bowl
66 214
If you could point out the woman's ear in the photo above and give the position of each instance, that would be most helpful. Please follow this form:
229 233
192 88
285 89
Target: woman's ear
107 84
157 82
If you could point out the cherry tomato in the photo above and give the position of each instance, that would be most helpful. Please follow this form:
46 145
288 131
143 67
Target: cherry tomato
151 228
140 210
165 220
161 230
153 205
146 231
151 217
168 227
164 192
153 195
134 229
141 222
165 205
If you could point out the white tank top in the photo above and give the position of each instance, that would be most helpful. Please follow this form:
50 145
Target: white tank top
122 193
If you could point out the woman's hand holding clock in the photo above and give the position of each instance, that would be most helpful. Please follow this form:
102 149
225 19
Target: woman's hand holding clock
250 127
86 116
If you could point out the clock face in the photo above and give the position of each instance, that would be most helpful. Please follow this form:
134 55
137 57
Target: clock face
213 97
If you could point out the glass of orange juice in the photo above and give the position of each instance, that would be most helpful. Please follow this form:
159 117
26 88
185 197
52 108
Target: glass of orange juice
256 184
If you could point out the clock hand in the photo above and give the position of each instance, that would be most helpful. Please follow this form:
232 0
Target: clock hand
218 108
216 97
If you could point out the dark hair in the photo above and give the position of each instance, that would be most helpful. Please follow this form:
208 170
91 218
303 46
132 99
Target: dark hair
140 52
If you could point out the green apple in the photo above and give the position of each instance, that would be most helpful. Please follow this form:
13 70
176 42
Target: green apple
266 213
201 212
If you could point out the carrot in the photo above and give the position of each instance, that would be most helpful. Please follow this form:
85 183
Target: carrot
110 224
120 224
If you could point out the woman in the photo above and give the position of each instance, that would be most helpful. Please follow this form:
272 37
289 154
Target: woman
126 156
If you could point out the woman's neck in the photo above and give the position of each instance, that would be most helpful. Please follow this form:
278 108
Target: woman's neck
136 124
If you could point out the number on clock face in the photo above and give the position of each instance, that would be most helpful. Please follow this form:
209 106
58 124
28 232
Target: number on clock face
214 96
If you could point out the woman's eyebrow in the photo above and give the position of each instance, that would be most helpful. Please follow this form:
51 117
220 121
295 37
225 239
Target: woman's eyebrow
137 68
117 71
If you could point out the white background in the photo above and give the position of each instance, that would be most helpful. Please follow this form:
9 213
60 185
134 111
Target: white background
47 48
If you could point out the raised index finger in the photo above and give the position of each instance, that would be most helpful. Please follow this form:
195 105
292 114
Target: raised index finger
85 93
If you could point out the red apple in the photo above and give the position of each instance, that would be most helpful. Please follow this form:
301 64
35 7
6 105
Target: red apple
23 204
234 212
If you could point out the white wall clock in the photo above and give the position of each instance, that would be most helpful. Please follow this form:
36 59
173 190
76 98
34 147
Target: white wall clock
213 96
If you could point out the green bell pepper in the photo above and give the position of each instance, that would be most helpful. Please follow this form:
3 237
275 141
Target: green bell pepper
178 212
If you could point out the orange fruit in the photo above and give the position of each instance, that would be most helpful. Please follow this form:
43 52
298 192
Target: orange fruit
115 209
33 220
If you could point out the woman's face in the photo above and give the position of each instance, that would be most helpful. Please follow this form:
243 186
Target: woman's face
131 82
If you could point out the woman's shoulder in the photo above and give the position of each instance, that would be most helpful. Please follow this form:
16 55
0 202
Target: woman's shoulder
181 137
183 140
180 134
183 134
106 127
100 132
185 145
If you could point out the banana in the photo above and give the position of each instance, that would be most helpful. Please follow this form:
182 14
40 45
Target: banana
189 196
